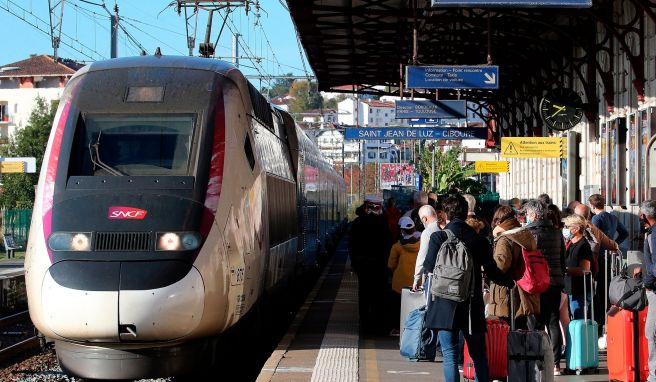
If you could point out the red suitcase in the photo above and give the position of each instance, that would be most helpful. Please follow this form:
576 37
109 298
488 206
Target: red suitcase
496 340
624 327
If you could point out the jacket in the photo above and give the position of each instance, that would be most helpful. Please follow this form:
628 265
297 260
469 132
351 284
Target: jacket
649 260
605 242
508 256
550 241
401 262
369 245
610 225
450 315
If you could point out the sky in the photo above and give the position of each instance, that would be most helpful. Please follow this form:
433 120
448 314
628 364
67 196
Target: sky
152 24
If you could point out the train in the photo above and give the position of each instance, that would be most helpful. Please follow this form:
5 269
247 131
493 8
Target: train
172 198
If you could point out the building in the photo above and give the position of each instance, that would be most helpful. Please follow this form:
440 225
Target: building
331 143
319 117
367 112
22 82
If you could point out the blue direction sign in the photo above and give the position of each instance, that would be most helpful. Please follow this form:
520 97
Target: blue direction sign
514 3
452 77
431 109
415 133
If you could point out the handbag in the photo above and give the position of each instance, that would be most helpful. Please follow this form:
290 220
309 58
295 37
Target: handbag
627 292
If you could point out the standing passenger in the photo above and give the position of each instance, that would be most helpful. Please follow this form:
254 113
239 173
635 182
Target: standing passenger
392 214
419 199
550 241
428 217
369 248
401 262
468 317
579 259
648 221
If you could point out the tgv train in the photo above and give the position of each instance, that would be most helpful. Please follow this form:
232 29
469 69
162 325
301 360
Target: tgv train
172 197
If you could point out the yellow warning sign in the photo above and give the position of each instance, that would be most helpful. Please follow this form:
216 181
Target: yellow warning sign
9 167
496 166
533 147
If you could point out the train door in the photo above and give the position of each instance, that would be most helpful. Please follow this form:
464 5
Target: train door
650 187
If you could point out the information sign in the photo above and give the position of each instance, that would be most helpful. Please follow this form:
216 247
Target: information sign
415 133
423 121
431 109
514 3
491 166
12 167
452 77
533 147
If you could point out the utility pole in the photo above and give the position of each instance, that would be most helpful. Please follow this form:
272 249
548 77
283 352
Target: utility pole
56 23
114 33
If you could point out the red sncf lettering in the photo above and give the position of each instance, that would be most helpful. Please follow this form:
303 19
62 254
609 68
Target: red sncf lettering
126 213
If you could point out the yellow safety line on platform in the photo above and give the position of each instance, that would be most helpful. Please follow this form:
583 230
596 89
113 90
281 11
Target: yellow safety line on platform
371 361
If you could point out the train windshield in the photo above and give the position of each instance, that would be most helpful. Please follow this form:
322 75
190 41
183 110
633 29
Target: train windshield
134 145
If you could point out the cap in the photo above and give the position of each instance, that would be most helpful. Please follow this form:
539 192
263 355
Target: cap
406 223
373 199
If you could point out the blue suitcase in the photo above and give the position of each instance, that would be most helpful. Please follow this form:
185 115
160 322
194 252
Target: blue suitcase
582 351
418 342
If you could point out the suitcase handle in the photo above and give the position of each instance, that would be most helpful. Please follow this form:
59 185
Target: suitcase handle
585 296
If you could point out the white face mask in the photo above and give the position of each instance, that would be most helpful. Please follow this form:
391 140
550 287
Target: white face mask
567 233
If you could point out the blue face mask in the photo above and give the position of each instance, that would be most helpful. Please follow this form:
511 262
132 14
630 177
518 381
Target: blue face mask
528 220
567 233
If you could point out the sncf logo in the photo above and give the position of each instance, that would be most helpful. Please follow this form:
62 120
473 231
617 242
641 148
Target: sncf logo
126 213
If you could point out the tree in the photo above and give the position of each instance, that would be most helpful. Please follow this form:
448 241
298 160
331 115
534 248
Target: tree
279 88
450 175
18 189
332 102
305 97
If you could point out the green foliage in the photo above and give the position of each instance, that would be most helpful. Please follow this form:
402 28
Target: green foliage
279 88
332 102
18 189
305 97
449 173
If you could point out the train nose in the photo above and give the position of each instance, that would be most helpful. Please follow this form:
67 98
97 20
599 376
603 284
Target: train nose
123 301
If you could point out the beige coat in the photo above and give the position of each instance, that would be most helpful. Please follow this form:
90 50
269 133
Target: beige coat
508 255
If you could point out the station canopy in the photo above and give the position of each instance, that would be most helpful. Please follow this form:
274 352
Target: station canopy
364 46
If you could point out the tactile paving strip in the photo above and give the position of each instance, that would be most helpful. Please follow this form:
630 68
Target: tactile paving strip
338 357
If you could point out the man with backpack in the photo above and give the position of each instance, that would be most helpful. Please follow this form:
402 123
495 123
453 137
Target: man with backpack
456 256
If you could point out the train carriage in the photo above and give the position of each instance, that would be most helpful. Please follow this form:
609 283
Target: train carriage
171 198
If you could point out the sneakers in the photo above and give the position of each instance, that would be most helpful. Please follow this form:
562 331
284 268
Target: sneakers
557 371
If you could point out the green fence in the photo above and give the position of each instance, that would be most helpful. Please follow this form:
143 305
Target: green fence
17 223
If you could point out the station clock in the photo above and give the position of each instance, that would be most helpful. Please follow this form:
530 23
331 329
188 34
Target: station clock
561 109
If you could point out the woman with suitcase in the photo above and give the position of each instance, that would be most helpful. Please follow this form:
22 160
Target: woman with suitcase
578 260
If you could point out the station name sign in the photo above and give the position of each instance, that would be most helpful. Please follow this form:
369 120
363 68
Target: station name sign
452 77
513 3
431 109
415 133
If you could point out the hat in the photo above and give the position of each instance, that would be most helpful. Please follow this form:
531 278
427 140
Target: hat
406 223
373 199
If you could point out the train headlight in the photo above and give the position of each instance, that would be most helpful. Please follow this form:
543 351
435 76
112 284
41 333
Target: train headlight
177 241
70 241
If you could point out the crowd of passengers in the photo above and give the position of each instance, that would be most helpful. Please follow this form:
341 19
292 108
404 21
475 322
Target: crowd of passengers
385 241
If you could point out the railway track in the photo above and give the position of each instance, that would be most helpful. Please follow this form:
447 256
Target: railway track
17 336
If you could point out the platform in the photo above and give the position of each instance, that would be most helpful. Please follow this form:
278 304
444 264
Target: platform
324 341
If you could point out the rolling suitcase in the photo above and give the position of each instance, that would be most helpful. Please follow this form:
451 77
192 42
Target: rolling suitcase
627 345
582 350
409 301
419 343
496 343
530 357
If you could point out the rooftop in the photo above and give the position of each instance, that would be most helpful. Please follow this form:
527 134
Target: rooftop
39 65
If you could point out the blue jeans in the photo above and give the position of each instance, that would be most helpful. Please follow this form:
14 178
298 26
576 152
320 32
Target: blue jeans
477 351
576 306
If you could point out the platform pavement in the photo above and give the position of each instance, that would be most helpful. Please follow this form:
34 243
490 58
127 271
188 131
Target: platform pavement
11 268
324 342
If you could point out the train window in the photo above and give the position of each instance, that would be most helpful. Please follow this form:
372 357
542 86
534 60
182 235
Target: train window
248 149
135 145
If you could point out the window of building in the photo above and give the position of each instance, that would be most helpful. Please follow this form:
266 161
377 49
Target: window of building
383 155
371 155
4 115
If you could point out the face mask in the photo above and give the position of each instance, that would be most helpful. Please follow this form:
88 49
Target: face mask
529 220
644 222
567 233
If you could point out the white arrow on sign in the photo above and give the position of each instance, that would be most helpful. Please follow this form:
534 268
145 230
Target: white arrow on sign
490 79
